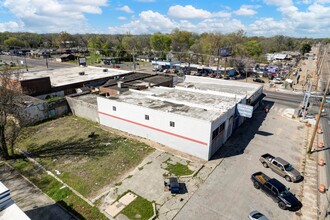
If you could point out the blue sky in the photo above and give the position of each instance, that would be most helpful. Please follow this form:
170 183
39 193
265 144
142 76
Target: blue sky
297 18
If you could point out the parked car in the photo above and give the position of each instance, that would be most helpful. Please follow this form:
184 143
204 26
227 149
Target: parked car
281 167
276 190
256 215
258 80
277 81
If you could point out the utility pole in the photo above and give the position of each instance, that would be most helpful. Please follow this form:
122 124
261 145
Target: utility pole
318 119
46 62
27 70
306 98
134 65
218 62
245 76
226 66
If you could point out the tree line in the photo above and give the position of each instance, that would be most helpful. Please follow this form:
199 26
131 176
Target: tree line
159 44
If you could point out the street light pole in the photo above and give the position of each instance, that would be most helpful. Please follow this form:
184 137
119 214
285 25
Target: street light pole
27 70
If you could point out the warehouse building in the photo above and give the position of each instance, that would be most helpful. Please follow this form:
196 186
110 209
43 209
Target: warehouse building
66 80
195 117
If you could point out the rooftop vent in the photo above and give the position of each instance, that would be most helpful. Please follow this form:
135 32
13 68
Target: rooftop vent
82 73
105 70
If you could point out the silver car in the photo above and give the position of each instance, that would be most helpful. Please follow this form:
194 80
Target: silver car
256 215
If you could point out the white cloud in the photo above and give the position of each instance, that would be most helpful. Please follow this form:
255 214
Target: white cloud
187 12
190 12
145 0
151 22
148 22
322 1
55 15
312 22
121 18
11 26
126 9
269 27
221 14
246 10
280 3
307 2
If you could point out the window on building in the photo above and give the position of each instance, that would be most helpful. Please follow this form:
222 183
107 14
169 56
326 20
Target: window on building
222 127
114 108
215 133
146 117
172 123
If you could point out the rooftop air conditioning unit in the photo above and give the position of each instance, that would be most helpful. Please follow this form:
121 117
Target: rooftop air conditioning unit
82 73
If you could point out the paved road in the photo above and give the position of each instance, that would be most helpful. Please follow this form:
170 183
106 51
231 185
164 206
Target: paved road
289 99
40 63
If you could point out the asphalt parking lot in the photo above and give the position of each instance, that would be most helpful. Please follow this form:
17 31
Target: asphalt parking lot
228 193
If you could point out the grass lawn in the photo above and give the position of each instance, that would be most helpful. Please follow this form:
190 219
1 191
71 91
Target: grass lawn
140 209
86 164
178 169
52 188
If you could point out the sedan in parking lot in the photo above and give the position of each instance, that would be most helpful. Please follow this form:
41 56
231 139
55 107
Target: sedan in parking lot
277 81
255 215
258 80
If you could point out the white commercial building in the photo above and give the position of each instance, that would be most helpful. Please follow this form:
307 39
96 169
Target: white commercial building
195 117
8 209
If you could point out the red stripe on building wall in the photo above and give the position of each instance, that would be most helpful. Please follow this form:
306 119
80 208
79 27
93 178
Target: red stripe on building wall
156 129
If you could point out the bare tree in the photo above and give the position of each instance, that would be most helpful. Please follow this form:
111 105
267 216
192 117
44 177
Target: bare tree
11 110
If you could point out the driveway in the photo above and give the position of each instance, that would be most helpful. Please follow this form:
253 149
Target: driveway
29 198
228 193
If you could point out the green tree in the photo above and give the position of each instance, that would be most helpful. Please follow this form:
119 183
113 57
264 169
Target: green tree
253 48
305 48
95 45
106 48
13 42
63 40
160 42
181 42
129 43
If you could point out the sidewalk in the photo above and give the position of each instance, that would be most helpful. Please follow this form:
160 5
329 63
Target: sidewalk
308 194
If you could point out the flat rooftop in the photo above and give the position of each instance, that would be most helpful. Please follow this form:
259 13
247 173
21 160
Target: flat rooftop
70 75
194 103
13 212
220 85
88 98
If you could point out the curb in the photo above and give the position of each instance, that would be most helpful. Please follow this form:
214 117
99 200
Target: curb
155 212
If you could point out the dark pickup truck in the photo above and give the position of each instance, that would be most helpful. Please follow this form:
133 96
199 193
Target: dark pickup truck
276 190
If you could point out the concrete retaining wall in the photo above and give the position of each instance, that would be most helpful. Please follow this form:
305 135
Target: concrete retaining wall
83 109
